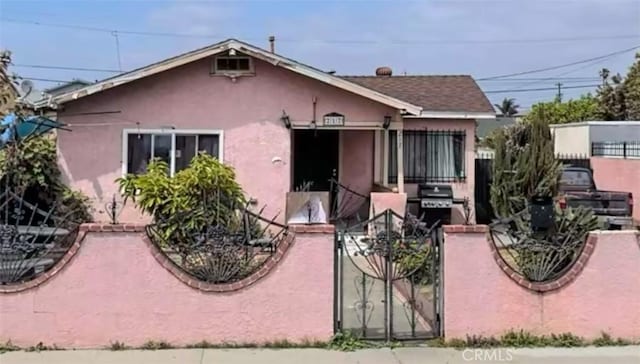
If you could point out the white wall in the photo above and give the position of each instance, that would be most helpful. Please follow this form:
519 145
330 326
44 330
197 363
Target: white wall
576 138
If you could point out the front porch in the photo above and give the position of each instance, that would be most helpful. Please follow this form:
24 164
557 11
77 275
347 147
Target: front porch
384 162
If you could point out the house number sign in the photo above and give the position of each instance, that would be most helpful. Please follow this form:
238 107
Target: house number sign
333 119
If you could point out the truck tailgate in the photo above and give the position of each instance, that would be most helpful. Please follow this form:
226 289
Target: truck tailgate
601 202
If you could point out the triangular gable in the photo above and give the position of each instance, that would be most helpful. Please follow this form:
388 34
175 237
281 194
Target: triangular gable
247 49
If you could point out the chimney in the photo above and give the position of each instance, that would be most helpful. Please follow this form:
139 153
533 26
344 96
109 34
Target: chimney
383 71
272 43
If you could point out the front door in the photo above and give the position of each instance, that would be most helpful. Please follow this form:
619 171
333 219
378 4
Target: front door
315 158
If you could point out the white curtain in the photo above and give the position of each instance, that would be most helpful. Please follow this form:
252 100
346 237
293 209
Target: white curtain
441 161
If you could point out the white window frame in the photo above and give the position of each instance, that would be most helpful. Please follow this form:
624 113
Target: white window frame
172 132
216 71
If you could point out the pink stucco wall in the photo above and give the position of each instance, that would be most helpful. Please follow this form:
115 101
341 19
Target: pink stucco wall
114 289
248 111
615 174
460 190
479 298
356 171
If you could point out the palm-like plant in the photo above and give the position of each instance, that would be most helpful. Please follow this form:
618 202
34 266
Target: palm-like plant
508 107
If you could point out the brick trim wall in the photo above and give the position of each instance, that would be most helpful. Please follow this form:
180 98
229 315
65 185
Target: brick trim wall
195 283
568 277
68 256
169 265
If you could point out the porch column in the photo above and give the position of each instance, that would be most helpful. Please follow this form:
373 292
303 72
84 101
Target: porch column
385 158
399 154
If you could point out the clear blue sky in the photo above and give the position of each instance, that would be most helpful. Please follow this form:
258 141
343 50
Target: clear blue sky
477 37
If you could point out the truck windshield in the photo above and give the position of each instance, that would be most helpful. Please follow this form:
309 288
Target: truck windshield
575 178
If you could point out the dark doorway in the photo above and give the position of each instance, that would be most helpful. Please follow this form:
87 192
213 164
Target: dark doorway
315 158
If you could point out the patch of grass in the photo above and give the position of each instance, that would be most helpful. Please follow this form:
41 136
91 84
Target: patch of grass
156 345
523 339
567 340
606 340
118 346
42 347
346 341
8 346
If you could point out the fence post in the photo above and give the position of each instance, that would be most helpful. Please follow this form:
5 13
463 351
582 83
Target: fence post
624 150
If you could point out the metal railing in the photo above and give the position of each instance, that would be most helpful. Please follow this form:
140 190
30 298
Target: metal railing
616 149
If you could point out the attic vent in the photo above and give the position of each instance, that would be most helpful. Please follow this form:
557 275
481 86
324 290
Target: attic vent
232 65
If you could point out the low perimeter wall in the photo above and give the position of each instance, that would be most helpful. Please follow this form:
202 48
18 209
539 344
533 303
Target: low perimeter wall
601 293
114 286
616 174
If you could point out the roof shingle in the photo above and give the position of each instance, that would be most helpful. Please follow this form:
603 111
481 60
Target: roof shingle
456 93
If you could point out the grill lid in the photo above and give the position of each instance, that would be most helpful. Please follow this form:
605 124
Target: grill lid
428 190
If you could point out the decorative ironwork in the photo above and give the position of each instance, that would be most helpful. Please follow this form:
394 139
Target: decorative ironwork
225 250
113 209
541 256
348 207
404 243
363 306
32 239
401 253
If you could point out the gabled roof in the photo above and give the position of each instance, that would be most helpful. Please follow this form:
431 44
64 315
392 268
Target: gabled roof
247 49
435 94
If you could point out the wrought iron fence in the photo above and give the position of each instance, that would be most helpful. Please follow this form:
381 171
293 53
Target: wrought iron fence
225 249
33 237
348 206
616 149
542 256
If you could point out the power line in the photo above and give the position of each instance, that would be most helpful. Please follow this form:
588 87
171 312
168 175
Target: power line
66 68
560 66
526 79
538 89
43 79
332 41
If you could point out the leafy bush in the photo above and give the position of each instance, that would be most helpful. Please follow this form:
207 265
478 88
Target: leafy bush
33 171
184 203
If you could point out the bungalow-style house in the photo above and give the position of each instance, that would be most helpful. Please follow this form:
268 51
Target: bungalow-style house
281 124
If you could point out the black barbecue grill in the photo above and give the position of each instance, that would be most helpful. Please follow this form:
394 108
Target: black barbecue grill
436 203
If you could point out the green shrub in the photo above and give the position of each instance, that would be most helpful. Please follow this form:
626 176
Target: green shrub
33 171
203 194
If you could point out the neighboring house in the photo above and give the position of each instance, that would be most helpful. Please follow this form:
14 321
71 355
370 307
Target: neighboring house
609 137
278 122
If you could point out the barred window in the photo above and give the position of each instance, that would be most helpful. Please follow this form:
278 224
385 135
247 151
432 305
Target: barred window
429 156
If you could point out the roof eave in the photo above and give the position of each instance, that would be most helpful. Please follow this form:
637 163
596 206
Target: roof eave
453 115
252 51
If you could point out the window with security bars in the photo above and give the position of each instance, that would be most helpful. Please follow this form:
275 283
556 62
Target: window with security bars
428 156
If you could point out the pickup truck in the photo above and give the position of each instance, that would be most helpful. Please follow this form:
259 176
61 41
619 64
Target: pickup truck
577 188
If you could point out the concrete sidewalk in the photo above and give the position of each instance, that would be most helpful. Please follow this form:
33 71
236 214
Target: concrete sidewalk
414 355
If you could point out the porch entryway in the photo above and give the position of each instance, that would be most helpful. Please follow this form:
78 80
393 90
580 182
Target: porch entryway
315 159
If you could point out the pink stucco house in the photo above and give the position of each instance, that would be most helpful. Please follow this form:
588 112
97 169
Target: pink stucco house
278 122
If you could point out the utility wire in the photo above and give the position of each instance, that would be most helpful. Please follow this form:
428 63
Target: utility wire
332 41
559 66
66 68
538 89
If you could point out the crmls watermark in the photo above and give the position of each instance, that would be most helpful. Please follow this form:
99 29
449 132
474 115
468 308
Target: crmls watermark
491 355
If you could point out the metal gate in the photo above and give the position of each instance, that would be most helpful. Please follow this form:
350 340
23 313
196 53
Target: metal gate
387 278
